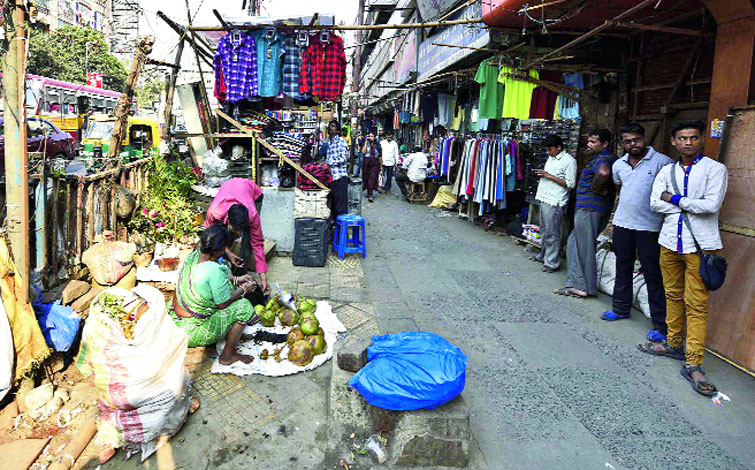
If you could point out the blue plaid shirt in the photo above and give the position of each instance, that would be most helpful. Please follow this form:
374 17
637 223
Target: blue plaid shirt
338 155
292 68
238 65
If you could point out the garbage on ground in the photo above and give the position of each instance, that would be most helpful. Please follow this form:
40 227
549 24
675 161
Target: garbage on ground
376 445
136 353
410 371
59 324
719 398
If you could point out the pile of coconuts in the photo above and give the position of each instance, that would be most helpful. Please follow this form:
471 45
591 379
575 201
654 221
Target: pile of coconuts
305 339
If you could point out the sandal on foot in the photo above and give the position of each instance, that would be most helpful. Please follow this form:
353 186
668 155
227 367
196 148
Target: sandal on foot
687 371
655 336
567 293
668 351
534 258
548 269
610 315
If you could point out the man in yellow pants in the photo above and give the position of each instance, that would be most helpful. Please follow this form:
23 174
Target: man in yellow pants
701 184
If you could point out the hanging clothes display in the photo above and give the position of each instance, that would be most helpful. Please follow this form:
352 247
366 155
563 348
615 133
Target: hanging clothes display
235 65
292 60
517 96
429 107
323 69
491 91
569 109
446 105
543 99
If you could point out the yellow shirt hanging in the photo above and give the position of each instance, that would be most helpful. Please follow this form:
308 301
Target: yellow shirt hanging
517 95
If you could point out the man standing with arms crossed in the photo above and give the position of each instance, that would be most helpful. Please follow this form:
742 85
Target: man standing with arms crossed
557 179
390 154
595 196
337 158
698 194
635 229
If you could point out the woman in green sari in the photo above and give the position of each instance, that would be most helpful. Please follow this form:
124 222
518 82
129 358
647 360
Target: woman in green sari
209 302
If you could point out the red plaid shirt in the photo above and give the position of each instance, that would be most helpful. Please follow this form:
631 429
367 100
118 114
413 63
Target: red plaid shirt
320 171
323 70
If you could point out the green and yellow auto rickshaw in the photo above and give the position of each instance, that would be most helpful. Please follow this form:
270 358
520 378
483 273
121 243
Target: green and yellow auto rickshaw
143 135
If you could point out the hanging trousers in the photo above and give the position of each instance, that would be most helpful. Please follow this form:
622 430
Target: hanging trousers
628 245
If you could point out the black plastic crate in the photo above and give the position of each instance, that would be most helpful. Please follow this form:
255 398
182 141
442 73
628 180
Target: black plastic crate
355 196
312 242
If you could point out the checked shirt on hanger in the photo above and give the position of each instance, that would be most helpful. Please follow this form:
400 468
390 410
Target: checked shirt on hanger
235 64
323 69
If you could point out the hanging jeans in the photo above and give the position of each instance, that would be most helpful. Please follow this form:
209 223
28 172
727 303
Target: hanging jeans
628 245
551 222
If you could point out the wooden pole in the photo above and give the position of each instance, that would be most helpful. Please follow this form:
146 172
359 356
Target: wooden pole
206 127
54 224
660 29
79 218
607 24
76 446
366 27
172 85
90 213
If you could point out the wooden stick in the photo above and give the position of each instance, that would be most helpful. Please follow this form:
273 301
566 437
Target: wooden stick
113 215
90 213
265 144
366 27
607 24
54 225
554 87
105 174
661 29
79 217
543 5
76 446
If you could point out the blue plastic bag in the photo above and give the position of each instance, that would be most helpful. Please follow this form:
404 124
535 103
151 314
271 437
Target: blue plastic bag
59 324
411 371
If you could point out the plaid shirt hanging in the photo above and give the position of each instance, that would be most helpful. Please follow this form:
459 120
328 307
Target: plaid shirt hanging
235 64
323 70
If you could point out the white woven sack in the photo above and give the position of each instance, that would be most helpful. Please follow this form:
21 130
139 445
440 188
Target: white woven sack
311 204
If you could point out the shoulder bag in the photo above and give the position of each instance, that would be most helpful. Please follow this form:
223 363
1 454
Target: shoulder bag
712 267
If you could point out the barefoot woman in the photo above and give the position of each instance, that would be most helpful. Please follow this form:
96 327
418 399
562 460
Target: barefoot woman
206 303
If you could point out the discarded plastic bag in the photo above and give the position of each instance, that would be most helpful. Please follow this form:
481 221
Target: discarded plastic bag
215 168
410 371
108 261
59 324
143 387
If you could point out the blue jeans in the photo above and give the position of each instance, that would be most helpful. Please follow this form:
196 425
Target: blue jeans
360 161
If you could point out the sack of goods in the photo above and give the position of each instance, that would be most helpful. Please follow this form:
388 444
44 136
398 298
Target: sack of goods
136 354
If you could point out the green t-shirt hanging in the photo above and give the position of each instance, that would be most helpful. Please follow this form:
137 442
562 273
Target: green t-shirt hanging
517 96
491 92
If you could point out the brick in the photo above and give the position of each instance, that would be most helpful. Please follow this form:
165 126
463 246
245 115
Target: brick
352 355
73 291
82 303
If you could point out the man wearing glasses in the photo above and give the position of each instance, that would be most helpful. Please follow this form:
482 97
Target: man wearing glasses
636 228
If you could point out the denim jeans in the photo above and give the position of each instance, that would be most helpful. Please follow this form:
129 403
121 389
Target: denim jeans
360 162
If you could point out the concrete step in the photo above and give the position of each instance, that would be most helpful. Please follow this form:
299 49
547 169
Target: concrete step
439 438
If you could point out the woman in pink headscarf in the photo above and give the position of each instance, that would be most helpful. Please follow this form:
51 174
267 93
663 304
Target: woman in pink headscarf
237 206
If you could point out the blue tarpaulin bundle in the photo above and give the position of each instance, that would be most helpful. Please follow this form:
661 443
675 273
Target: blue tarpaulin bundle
411 371
59 324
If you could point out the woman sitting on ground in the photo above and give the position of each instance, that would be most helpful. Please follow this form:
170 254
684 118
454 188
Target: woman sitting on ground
206 304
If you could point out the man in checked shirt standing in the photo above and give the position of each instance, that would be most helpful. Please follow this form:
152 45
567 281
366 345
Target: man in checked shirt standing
337 158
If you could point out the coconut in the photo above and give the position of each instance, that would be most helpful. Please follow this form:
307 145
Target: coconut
308 314
259 309
320 332
306 305
309 325
300 353
267 318
318 344
294 335
264 354
288 317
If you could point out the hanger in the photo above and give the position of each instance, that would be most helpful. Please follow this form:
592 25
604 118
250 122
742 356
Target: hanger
325 36
235 36
270 33
302 38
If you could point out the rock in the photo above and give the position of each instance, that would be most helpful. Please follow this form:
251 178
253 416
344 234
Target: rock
83 392
8 416
352 355
62 394
73 291
37 398
82 303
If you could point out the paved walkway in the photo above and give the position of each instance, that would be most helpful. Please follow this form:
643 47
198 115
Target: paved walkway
549 384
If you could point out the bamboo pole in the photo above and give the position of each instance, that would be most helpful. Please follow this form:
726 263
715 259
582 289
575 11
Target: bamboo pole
104 174
76 446
54 224
103 208
79 217
67 217
607 24
90 214
113 215
366 27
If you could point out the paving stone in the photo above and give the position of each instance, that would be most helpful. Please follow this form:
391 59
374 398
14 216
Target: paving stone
391 309
351 317
366 330
352 354
389 326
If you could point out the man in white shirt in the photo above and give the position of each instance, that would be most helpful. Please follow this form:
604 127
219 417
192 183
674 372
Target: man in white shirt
390 158
557 179
701 184
415 165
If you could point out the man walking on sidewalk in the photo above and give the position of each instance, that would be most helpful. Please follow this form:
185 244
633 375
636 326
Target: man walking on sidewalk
557 179
595 196
390 154
692 189
635 229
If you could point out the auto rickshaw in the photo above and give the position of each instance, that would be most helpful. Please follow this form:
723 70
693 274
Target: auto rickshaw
143 135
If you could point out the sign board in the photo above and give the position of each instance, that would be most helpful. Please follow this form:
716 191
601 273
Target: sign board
432 59
94 79
406 56
433 9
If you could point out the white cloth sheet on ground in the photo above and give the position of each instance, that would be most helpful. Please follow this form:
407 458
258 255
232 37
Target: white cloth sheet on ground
329 323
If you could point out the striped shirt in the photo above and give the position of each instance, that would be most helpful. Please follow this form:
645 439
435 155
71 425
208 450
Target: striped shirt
586 199
338 155
292 68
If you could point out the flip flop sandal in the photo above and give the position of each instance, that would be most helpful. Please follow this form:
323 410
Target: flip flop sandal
565 292
609 315
534 258
687 374
655 336
673 353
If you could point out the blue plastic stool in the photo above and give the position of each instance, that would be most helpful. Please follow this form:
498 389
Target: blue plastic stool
342 243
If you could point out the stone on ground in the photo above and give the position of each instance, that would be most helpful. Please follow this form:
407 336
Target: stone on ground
73 291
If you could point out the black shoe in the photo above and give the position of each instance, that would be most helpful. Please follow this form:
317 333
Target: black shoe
370 199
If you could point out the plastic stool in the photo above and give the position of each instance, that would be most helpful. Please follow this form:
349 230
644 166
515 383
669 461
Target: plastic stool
342 243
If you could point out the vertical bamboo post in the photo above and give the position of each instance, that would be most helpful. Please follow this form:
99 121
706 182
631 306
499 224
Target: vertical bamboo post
79 217
90 214
113 216
67 216
54 224
103 207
